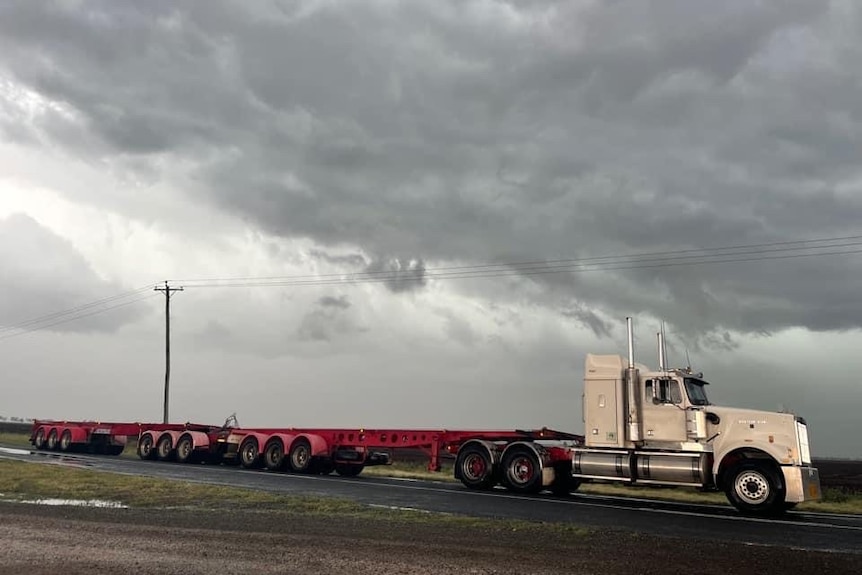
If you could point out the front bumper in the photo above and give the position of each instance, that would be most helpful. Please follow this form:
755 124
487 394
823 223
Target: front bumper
802 484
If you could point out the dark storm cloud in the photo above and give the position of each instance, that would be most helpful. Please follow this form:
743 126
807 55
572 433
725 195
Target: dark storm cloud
478 132
41 271
398 274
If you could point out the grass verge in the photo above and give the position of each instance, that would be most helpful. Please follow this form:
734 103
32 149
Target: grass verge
22 481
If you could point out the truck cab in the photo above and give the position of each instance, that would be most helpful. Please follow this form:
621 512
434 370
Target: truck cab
658 427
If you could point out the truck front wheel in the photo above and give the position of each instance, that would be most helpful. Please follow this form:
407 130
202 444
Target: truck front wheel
754 488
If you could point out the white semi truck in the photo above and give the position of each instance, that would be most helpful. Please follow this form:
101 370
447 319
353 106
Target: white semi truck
657 427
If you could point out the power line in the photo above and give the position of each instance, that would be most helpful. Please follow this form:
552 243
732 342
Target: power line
793 249
611 263
72 311
704 252
77 317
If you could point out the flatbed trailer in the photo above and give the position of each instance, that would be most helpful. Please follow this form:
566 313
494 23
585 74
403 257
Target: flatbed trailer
542 454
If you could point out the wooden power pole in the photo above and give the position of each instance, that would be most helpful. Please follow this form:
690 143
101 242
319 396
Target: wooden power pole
168 291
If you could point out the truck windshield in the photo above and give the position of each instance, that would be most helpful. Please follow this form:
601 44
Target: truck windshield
696 391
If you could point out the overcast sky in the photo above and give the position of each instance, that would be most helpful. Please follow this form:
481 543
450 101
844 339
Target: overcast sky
145 141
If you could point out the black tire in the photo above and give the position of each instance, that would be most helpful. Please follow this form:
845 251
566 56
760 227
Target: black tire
754 488
273 455
165 449
299 459
521 471
39 440
145 447
348 470
51 444
475 467
116 449
65 441
564 483
249 454
185 449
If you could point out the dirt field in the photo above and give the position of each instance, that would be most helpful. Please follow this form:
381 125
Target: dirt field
50 540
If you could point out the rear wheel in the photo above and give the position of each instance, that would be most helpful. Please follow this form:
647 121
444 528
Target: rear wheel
521 471
248 454
39 440
348 470
273 455
475 467
185 449
145 447
52 440
300 456
66 440
116 449
754 488
165 448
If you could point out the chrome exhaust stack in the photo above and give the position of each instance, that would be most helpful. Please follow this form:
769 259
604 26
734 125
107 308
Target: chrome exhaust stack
662 360
632 388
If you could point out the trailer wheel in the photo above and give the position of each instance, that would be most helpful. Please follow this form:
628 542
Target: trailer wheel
52 440
39 440
116 449
185 449
65 441
521 471
273 455
753 487
249 454
300 456
348 470
145 447
165 449
476 470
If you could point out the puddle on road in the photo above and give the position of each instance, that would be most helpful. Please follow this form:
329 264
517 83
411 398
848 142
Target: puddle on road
12 451
71 503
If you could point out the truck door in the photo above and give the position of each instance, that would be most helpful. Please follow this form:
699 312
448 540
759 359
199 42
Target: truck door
663 411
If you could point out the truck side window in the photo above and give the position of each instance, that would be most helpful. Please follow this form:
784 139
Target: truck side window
668 391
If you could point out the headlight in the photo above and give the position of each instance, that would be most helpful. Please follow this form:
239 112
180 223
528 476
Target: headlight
804 450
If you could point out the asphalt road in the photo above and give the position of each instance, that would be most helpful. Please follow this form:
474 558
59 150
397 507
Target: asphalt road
703 522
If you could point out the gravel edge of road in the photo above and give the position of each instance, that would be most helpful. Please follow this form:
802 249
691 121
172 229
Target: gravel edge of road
41 539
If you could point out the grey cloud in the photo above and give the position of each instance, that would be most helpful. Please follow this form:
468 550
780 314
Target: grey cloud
331 319
340 302
398 274
42 271
472 132
590 319
349 260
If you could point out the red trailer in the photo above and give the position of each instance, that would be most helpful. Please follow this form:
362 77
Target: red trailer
522 460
